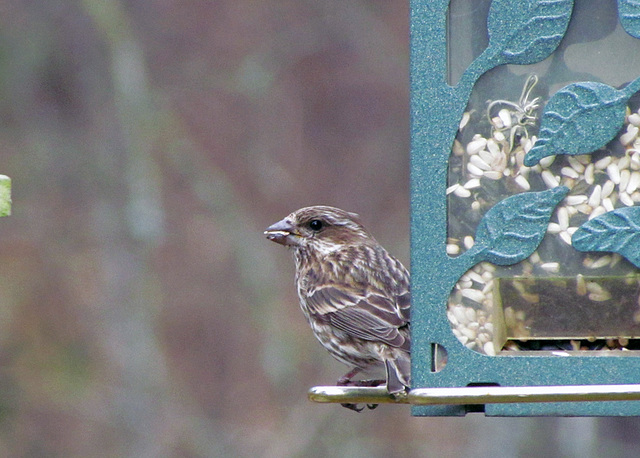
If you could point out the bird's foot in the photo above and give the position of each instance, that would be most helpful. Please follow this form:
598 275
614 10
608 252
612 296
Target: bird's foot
346 381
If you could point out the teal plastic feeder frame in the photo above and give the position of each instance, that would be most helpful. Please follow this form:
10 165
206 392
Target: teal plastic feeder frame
525 172
525 193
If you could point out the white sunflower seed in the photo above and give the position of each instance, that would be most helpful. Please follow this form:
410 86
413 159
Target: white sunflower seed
461 191
626 199
601 262
534 258
522 182
614 173
546 162
596 196
459 314
607 204
453 249
475 276
493 147
553 228
603 163
476 145
575 164
634 182
585 209
489 349
597 212
565 237
528 144
549 179
589 174
594 287
486 156
630 135
624 162
452 319
474 170
576 199
607 188
505 117
625 175
468 241
563 218
595 297
465 120
473 294
569 172
471 314
550 266
458 150
478 162
472 183
452 188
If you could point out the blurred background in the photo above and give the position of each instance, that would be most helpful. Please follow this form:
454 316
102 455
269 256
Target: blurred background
143 313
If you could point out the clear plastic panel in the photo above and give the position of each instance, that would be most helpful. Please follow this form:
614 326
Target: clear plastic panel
558 298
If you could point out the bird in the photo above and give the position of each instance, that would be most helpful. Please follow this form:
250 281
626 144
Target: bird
354 294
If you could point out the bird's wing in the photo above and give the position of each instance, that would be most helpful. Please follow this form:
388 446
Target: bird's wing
364 314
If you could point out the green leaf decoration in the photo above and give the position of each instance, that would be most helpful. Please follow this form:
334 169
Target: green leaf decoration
513 228
629 14
617 231
526 32
580 118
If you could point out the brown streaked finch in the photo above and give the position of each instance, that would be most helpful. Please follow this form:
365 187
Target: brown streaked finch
354 294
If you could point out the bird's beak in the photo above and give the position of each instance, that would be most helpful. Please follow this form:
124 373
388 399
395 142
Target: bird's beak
282 232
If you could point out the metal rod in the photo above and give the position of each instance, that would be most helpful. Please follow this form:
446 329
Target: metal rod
355 395
477 394
508 394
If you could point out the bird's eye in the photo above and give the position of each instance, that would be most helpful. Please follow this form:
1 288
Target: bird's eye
315 225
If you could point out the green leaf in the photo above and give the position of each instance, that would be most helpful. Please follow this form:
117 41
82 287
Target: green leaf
526 32
617 231
513 228
580 118
629 13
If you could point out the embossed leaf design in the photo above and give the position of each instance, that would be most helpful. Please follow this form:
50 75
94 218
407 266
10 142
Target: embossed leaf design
512 230
629 13
580 118
526 32
617 231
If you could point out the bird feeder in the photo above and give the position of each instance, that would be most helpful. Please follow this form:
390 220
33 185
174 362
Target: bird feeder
525 173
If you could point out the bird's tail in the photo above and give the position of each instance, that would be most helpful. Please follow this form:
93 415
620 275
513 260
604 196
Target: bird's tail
398 373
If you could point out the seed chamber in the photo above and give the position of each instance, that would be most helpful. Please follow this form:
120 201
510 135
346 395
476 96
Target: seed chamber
558 299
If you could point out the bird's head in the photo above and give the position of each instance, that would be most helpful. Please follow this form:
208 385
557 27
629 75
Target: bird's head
321 228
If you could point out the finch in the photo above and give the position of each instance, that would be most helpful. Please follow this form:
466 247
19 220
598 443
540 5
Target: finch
353 293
